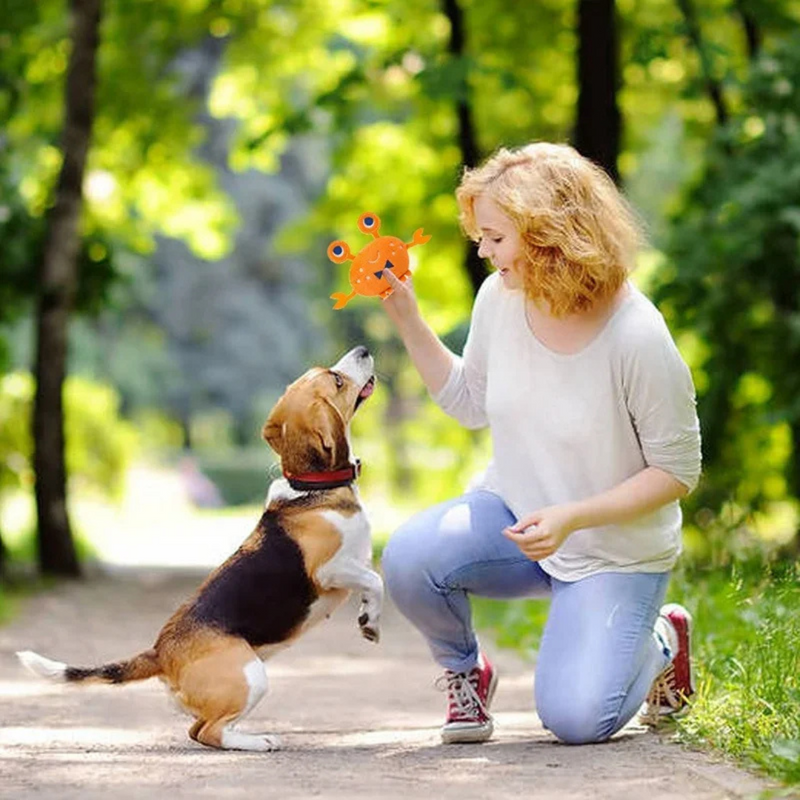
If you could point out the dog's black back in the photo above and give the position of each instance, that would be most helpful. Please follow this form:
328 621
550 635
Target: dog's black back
262 592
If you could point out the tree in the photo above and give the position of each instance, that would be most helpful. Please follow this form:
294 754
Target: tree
58 280
597 129
467 137
733 288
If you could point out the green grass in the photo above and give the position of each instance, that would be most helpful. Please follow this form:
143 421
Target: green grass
746 655
8 604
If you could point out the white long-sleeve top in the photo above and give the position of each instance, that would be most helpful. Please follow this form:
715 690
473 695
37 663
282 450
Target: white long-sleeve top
567 427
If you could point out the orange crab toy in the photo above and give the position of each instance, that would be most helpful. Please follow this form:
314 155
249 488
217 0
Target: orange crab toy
366 271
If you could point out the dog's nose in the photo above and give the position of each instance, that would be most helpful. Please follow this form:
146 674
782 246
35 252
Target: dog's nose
361 352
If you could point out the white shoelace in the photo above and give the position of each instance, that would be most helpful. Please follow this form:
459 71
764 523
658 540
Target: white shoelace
462 693
663 698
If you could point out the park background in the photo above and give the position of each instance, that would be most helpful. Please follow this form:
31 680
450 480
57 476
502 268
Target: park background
172 171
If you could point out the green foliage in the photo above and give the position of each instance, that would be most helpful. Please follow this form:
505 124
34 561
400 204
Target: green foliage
410 449
143 175
7 605
242 476
99 443
734 282
515 624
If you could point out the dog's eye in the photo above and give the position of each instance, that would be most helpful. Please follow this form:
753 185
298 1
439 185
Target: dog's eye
339 380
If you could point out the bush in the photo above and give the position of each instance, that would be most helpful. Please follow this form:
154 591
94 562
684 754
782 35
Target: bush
731 291
99 443
242 476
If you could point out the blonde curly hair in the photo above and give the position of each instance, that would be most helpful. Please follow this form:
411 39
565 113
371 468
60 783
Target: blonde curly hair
579 235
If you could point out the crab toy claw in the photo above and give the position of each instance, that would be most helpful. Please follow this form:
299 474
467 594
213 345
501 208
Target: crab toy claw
383 254
419 237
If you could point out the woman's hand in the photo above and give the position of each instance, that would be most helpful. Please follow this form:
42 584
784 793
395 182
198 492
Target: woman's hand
401 304
540 534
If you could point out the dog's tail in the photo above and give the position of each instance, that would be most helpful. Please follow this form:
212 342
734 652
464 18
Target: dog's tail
139 668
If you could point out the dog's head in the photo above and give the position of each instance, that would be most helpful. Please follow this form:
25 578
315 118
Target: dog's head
308 427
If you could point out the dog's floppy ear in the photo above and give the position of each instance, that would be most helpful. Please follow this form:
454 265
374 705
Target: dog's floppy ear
314 440
272 432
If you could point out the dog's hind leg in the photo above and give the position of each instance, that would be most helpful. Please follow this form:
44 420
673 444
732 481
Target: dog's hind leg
220 689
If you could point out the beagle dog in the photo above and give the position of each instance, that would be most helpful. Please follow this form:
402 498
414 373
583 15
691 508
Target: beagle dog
309 550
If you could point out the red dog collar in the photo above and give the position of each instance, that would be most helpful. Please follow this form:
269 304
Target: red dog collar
315 481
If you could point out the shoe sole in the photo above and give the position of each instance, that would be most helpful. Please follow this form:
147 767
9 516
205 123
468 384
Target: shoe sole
473 734
663 717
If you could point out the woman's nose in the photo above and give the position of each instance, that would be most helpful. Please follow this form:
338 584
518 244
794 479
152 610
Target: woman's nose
483 251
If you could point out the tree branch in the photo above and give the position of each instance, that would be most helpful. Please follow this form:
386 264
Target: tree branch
713 86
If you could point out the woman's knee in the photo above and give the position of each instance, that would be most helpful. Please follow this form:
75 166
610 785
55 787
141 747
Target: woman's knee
403 561
572 718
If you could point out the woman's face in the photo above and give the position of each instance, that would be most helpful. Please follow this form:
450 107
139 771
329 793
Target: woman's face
500 241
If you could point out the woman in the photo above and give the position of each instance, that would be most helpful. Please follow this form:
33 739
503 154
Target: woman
595 439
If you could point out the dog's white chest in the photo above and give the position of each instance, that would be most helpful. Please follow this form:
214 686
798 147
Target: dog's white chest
356 538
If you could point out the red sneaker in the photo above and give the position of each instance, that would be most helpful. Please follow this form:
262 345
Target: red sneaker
671 690
469 695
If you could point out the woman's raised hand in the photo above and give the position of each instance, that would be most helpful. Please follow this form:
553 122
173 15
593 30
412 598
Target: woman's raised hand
401 304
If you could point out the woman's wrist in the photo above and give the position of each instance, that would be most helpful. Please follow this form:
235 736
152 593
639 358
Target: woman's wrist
413 328
578 516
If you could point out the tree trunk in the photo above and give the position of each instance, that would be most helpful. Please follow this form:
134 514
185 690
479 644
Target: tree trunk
597 129
57 284
467 140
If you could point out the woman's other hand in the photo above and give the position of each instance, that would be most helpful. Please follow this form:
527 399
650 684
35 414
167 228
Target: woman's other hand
540 534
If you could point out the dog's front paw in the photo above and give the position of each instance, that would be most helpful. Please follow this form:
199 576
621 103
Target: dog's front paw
370 631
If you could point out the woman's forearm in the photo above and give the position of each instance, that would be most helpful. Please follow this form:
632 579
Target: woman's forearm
635 497
430 356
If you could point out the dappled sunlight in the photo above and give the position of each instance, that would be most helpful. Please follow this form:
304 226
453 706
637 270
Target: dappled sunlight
11 689
155 524
329 666
387 736
110 737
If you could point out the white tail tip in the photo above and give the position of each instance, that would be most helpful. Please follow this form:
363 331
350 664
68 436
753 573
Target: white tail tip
41 666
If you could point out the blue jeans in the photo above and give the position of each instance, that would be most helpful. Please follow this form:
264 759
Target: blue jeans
598 655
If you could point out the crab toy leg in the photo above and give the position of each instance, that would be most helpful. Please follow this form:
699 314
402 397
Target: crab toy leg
419 237
342 299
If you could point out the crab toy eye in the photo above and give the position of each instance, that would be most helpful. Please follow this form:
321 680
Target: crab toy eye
369 223
339 252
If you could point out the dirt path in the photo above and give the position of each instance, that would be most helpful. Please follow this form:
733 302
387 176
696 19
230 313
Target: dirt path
356 720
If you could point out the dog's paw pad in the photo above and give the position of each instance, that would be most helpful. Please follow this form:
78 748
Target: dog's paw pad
363 620
370 634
